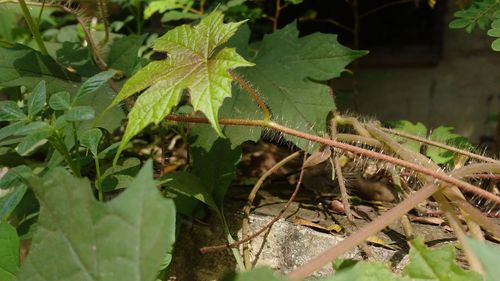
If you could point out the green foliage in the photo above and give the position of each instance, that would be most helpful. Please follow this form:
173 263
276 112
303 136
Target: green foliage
22 66
216 178
286 74
194 63
437 264
495 31
261 273
83 239
489 256
482 13
172 10
14 182
90 139
9 252
440 134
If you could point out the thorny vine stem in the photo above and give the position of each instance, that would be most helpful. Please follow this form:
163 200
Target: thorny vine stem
251 197
264 228
441 145
347 147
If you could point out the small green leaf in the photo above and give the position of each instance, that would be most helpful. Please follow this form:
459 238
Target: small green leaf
495 45
216 177
417 129
9 252
160 6
60 101
120 176
194 62
178 15
494 32
9 201
34 127
189 185
93 83
11 129
125 239
37 99
459 23
90 139
444 135
496 23
489 256
23 66
33 141
436 264
80 113
15 176
9 111
294 2
124 53
372 271
261 273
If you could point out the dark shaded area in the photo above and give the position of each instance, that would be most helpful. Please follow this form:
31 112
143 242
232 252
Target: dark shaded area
396 32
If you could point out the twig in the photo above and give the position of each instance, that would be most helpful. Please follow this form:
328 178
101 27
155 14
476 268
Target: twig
251 197
343 26
267 226
385 6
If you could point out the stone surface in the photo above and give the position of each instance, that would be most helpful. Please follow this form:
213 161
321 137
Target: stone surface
287 245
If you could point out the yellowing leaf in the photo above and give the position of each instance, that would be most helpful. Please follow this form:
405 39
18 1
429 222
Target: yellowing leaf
194 63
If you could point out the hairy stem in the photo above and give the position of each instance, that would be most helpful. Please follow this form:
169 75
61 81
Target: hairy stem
253 93
441 145
347 147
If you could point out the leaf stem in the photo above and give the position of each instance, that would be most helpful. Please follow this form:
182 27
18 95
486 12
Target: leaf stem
248 88
59 145
33 28
98 178
76 146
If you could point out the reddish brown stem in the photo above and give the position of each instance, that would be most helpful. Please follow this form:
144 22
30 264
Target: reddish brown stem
347 147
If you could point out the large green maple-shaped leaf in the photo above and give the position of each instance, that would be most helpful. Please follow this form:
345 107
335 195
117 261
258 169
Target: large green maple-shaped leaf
194 63
286 72
81 239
